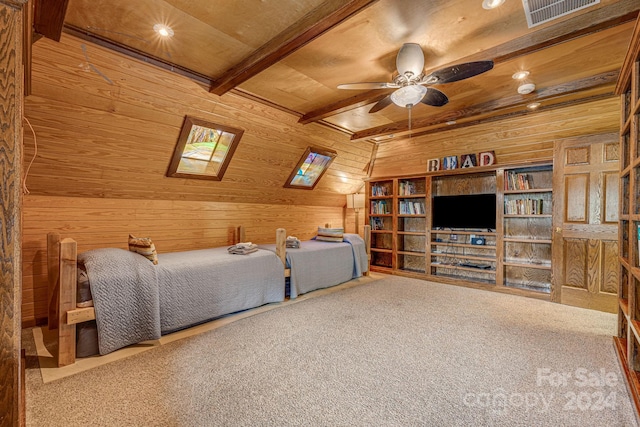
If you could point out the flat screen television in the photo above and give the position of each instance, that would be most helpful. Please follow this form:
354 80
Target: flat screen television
468 211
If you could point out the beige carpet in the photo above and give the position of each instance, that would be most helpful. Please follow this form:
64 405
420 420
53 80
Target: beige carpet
45 341
391 352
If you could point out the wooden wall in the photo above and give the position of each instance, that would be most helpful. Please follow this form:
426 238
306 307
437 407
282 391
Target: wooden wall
11 390
106 127
521 139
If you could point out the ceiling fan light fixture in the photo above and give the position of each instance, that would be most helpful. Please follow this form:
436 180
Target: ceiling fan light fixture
526 88
491 4
408 96
410 59
163 30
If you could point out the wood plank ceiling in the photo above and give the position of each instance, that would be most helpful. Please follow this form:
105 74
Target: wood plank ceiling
293 53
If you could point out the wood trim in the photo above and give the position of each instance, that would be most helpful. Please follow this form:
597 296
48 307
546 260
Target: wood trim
314 24
27 41
629 60
582 25
49 17
11 94
602 79
203 80
53 276
68 280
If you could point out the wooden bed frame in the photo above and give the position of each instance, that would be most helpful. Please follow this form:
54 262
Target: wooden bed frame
62 261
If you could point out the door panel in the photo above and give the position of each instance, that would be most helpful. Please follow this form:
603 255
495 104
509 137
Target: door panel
585 246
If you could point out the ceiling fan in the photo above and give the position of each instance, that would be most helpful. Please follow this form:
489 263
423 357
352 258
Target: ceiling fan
411 81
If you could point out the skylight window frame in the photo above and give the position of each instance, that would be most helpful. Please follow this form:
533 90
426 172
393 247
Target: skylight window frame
297 171
189 122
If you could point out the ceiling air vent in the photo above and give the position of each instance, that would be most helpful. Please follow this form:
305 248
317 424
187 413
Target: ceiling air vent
541 11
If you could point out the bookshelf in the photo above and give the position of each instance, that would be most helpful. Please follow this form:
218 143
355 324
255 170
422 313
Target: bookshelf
527 227
627 341
380 218
513 257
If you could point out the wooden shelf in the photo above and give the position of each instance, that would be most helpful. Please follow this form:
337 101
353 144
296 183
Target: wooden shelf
463 245
546 266
411 233
411 253
384 251
526 240
624 306
479 233
461 256
527 216
529 191
380 197
627 341
461 267
411 216
412 196
382 231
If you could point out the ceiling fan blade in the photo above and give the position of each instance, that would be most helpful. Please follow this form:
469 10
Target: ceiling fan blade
458 72
368 85
384 102
435 98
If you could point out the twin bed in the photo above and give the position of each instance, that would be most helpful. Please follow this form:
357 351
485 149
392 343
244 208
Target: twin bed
134 300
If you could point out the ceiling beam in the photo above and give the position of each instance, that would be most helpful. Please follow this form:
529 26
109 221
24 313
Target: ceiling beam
494 105
510 115
48 18
582 25
313 24
137 54
353 102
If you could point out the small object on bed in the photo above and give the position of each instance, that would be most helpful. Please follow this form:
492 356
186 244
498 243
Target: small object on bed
292 242
330 234
243 248
145 247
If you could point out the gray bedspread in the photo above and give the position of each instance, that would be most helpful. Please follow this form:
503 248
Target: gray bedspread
125 293
137 301
196 286
317 265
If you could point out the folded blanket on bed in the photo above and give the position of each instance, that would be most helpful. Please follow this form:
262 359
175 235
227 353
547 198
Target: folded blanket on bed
243 248
292 242
125 293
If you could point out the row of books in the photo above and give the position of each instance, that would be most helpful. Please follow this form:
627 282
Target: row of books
517 181
376 223
380 190
524 207
407 188
411 208
380 207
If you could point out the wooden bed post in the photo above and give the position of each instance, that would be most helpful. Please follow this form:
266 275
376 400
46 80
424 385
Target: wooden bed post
367 244
53 272
281 245
241 234
68 280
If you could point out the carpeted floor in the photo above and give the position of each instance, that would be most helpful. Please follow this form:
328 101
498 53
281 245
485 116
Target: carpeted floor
392 352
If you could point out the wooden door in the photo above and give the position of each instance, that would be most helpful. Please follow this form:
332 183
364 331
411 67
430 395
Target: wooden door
585 222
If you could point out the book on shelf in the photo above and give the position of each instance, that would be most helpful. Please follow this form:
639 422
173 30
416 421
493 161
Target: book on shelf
406 188
379 207
524 206
376 224
411 208
378 190
517 181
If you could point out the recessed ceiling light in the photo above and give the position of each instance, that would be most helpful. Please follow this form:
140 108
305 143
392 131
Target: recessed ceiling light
520 75
491 4
533 105
163 30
